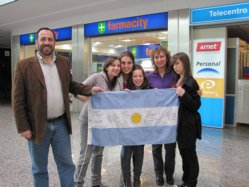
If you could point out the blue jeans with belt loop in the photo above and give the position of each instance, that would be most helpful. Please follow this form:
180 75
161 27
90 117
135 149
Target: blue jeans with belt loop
136 153
58 137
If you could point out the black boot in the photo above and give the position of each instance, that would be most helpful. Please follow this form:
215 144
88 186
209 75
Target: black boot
182 185
159 181
127 182
136 182
170 180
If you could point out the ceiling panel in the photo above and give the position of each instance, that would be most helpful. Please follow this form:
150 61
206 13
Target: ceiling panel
26 15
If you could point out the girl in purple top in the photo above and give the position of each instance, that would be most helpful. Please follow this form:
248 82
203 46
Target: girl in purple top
163 77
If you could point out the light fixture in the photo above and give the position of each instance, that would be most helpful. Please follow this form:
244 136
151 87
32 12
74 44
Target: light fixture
64 47
5 2
94 50
146 43
97 43
164 32
146 64
118 46
111 51
127 40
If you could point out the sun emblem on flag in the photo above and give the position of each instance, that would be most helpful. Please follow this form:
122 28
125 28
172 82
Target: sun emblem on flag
136 117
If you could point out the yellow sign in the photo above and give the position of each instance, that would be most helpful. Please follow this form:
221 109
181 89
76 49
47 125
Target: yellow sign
136 118
211 87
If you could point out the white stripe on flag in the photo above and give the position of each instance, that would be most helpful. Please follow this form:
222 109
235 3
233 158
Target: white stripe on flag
128 118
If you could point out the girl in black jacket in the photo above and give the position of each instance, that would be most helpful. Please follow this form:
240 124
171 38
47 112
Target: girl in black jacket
189 122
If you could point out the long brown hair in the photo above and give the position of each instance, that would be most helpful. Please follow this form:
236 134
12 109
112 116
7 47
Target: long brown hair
158 50
130 83
131 56
111 83
183 57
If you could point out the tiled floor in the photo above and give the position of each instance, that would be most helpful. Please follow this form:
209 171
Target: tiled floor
223 157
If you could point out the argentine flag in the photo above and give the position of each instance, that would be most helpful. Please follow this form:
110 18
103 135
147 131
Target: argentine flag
137 117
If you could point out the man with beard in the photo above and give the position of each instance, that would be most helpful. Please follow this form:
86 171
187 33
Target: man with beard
41 89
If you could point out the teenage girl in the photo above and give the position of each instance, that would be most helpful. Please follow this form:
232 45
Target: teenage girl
127 62
189 121
106 80
137 81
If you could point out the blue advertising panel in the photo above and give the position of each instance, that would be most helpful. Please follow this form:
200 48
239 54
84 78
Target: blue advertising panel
124 25
209 66
142 51
234 12
61 34
211 111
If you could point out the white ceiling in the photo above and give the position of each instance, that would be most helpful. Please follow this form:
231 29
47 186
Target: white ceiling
26 16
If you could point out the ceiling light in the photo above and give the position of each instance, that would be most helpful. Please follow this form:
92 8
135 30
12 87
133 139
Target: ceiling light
164 32
112 51
5 2
127 40
64 46
118 46
97 43
146 64
94 49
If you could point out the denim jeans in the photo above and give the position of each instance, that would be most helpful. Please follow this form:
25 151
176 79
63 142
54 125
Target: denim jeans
87 153
58 137
137 154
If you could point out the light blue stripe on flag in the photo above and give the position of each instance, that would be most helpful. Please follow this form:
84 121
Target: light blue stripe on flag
133 118
142 98
134 136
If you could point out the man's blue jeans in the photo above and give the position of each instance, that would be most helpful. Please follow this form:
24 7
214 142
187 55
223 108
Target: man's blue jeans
58 137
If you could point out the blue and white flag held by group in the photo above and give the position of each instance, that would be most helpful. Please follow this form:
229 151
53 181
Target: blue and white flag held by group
133 118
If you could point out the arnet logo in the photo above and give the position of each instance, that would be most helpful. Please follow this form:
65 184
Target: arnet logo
208 46
101 27
208 84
